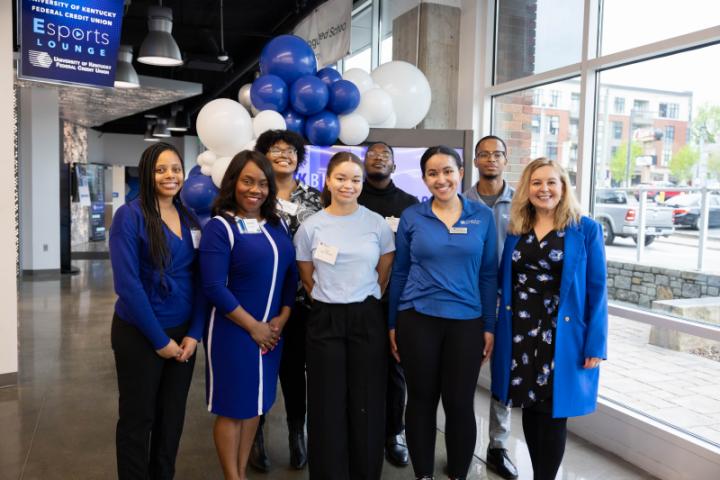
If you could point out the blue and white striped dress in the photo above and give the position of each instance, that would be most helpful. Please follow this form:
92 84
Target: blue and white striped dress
256 270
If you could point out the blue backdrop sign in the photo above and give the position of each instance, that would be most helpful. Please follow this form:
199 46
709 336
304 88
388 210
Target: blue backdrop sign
72 41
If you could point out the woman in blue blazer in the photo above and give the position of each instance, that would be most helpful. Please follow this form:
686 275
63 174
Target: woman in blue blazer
551 332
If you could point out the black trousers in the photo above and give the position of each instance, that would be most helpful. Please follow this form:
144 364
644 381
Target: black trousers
347 347
442 359
292 364
545 437
153 394
395 396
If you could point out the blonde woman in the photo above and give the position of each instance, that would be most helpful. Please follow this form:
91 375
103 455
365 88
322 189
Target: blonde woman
551 333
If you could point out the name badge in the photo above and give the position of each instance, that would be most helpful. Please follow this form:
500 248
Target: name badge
288 207
326 253
195 234
248 225
458 230
393 222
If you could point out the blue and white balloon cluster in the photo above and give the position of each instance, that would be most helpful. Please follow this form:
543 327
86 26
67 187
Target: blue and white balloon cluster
292 94
324 105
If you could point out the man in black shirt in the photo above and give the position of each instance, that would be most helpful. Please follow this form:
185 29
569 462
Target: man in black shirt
380 195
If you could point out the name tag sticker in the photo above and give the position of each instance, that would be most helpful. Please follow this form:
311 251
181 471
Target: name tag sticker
248 225
195 234
288 207
326 253
458 230
393 222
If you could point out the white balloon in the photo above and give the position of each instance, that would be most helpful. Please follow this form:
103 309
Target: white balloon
218 170
409 89
362 80
207 157
268 120
206 170
250 145
244 96
224 126
354 129
389 123
376 105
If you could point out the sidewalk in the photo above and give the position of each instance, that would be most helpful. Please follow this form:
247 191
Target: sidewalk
680 388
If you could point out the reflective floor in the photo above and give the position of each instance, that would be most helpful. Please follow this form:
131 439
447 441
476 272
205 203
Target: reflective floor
59 422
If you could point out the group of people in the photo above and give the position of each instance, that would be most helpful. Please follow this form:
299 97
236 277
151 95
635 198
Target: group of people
356 297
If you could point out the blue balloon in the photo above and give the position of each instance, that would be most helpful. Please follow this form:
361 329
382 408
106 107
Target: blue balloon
194 171
289 57
198 193
322 129
203 218
344 97
329 75
269 92
294 121
308 95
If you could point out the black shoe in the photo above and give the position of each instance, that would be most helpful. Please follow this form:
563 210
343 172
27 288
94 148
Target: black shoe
258 456
296 440
499 462
396 450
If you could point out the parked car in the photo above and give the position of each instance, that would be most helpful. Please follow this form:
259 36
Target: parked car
686 210
618 213
658 191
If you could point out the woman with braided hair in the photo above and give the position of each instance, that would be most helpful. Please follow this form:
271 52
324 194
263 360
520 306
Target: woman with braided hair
159 316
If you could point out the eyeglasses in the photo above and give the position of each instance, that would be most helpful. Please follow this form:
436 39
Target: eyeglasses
496 155
276 152
164 170
380 155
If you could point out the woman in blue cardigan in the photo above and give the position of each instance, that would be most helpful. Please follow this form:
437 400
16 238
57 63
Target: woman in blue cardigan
159 316
443 298
551 333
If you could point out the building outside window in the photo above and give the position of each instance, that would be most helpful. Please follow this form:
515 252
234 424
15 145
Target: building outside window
551 150
554 125
617 130
554 98
619 105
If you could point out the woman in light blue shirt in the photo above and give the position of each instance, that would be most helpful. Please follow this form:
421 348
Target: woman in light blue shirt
344 255
443 297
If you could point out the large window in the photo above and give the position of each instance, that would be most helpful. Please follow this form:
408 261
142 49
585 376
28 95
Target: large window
639 127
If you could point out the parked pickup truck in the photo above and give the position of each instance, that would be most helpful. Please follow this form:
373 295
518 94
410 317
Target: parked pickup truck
618 214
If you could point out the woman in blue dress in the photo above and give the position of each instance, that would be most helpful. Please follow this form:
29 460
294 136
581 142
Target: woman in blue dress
159 316
247 261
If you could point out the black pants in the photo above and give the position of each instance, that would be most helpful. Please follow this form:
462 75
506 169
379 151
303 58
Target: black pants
442 359
347 347
153 393
395 399
545 437
292 364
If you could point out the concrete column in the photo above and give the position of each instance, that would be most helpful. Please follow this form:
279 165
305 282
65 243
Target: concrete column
39 180
428 36
8 227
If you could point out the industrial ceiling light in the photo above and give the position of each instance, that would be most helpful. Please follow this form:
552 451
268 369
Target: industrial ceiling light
159 47
125 74
223 55
178 120
161 128
149 132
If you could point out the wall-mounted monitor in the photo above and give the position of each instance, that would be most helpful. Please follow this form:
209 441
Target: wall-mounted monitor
408 146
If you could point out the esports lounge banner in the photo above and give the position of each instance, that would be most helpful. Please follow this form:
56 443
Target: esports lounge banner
73 41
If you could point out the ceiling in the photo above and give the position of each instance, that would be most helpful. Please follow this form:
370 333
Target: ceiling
249 25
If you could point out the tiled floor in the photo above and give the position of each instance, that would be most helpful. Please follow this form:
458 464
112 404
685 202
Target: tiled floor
59 422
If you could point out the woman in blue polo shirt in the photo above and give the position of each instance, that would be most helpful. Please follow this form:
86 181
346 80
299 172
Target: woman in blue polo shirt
443 297
344 255
159 316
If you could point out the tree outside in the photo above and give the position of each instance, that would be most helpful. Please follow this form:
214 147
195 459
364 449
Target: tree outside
619 161
682 163
706 123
